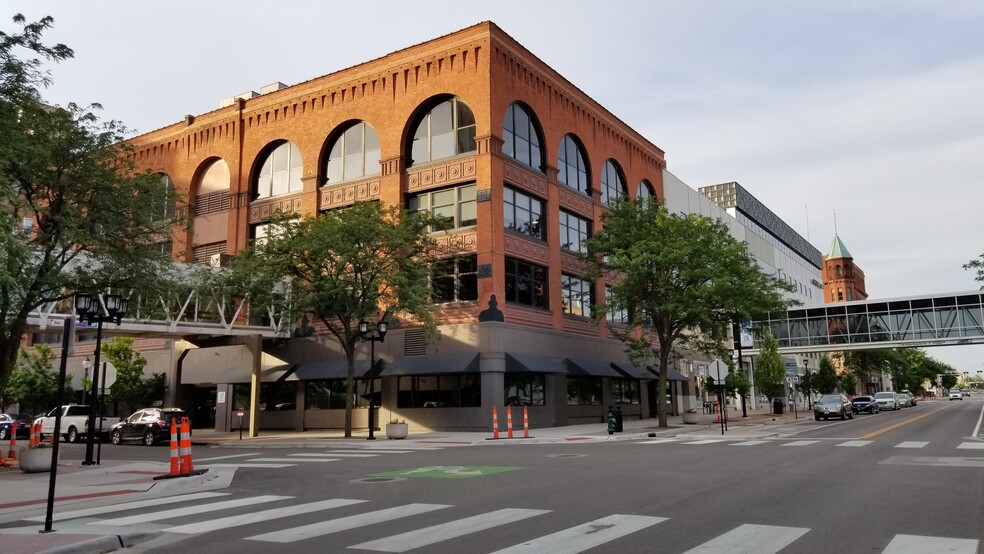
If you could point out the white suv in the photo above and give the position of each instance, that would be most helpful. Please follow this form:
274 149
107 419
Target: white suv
956 395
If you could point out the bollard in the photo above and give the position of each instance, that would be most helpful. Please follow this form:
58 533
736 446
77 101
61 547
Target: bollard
175 458
526 423
186 466
12 454
509 421
495 423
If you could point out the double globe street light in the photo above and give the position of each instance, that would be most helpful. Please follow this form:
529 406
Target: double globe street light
97 309
373 337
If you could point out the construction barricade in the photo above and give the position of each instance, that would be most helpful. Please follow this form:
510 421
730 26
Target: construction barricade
181 462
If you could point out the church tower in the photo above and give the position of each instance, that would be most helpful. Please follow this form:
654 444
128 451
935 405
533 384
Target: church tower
842 280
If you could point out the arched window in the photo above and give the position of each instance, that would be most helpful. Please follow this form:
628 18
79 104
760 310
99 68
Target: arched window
521 141
645 190
838 272
571 168
353 155
447 130
612 182
280 173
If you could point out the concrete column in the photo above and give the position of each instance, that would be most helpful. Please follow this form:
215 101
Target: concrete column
255 345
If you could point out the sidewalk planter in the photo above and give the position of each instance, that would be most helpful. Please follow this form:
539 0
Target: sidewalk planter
35 460
397 430
690 418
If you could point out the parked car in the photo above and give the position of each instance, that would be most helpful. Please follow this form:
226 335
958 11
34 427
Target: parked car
912 397
956 395
833 405
887 400
903 400
864 404
966 393
24 422
149 426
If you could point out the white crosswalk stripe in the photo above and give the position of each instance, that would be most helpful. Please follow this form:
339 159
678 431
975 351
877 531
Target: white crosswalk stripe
128 506
971 446
706 441
750 443
346 523
249 464
583 537
911 444
190 510
292 460
659 441
331 455
855 443
761 539
800 443
265 515
915 544
450 530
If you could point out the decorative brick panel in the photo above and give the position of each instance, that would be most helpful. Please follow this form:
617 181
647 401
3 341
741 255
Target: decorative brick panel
531 250
334 196
571 264
261 211
526 178
436 175
457 242
575 202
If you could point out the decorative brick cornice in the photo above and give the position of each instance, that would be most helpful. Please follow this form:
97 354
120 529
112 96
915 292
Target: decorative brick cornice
573 201
435 175
571 264
389 166
457 242
262 210
333 196
488 144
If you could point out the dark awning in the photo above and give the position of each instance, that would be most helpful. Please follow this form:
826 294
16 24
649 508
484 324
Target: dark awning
455 362
638 372
327 369
584 367
532 363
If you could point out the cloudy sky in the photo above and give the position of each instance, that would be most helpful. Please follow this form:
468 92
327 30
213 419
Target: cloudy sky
873 110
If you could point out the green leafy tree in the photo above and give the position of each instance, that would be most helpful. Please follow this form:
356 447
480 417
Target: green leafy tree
807 385
770 370
849 383
33 384
345 266
977 264
826 377
131 390
949 380
95 222
683 279
737 384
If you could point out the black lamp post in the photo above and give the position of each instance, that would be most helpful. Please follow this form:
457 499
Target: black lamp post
809 383
93 309
85 367
376 336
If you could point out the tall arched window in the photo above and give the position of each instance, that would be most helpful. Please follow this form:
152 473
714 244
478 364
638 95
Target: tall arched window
447 130
645 190
280 172
520 138
612 182
571 167
353 155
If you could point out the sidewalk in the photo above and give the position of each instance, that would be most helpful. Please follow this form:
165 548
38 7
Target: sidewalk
23 496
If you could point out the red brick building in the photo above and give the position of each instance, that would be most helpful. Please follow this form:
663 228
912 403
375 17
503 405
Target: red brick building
469 125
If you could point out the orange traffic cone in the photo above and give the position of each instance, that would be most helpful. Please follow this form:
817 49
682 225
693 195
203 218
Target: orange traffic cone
186 466
526 423
175 458
495 423
509 421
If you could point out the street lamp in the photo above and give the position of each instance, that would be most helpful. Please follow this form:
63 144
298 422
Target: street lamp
97 309
376 336
85 368
809 383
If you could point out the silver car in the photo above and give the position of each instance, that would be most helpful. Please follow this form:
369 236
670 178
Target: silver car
903 400
833 405
887 400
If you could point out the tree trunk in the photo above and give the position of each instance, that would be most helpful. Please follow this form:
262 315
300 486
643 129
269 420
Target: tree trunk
664 361
9 349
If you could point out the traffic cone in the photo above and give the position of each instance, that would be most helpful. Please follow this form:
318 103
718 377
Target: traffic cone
509 421
12 454
175 458
186 446
495 423
526 423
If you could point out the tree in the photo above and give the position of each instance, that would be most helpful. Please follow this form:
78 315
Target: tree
737 384
683 280
849 383
75 215
770 369
33 384
826 377
345 266
949 381
131 389
978 265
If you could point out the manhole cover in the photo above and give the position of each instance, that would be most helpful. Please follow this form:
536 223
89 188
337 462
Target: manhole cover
567 456
378 480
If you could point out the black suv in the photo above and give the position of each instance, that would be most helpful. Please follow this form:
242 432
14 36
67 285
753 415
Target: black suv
149 426
864 404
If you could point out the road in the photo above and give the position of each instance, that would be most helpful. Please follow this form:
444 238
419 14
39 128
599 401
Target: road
897 482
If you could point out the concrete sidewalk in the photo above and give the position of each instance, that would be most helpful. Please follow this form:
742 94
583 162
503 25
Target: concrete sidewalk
23 496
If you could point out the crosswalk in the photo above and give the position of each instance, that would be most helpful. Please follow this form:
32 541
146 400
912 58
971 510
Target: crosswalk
246 513
786 443
260 460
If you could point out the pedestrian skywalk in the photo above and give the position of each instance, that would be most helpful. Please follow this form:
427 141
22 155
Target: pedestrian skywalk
260 460
271 519
786 443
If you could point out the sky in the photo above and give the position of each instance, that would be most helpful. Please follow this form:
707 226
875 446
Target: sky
860 118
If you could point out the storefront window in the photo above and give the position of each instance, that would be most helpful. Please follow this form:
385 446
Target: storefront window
522 389
625 391
440 391
330 394
583 391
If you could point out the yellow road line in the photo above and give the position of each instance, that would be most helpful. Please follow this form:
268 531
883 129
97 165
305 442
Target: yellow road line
901 423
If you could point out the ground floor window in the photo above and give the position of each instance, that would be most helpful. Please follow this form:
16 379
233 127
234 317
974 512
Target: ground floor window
439 391
329 394
583 391
625 391
522 389
273 396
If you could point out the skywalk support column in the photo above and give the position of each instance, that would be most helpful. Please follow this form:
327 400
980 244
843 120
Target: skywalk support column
255 345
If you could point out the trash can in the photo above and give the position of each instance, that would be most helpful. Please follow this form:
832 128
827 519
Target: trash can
614 420
777 406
